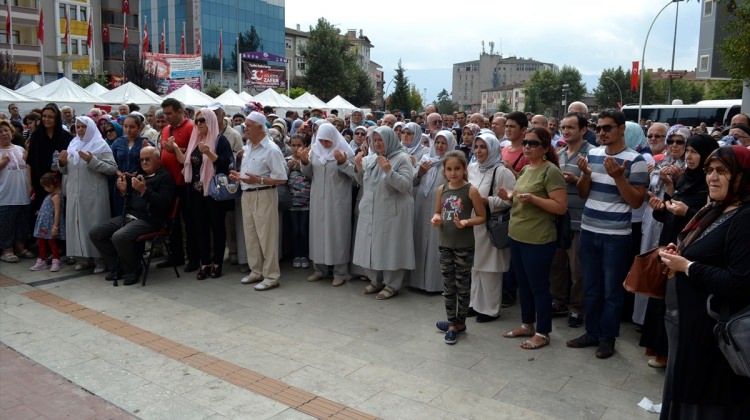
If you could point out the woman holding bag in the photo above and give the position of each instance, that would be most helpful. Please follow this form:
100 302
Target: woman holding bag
208 153
488 173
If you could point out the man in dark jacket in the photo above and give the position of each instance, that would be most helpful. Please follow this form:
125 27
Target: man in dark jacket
148 198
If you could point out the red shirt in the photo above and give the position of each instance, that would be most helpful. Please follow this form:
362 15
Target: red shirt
169 161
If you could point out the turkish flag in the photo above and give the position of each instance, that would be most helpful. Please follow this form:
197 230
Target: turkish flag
125 40
105 33
90 34
126 6
40 28
198 44
66 37
145 38
634 76
221 45
182 42
163 44
7 19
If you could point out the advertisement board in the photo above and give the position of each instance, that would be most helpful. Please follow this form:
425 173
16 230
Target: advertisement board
175 70
258 76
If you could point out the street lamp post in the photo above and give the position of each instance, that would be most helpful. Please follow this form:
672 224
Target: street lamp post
643 59
385 92
618 89
565 89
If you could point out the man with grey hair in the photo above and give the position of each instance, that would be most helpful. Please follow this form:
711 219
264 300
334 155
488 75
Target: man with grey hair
389 120
539 121
582 109
657 138
69 118
262 169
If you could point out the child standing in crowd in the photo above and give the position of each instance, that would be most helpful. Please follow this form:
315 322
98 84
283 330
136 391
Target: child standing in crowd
50 224
299 186
457 200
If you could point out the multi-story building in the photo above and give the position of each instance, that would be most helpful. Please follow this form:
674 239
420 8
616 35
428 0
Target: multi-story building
295 40
510 95
491 71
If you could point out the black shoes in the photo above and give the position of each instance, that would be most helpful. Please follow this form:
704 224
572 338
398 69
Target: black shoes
192 266
204 272
216 271
481 318
133 278
574 320
606 348
471 313
583 341
113 275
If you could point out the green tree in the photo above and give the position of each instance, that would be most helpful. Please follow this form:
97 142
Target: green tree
87 79
326 55
724 89
360 91
544 92
296 92
249 41
735 49
607 95
576 88
689 92
445 104
211 61
415 101
399 99
9 73
213 90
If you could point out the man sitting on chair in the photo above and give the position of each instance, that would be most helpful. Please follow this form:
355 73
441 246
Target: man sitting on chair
148 198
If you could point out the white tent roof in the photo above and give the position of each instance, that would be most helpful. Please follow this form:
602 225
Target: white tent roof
246 96
96 89
9 95
28 87
154 95
64 91
308 100
231 100
270 97
340 104
127 93
190 96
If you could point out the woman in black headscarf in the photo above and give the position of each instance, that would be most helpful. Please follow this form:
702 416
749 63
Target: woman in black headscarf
690 194
711 258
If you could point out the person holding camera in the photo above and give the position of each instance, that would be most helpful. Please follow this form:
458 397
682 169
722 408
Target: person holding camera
148 196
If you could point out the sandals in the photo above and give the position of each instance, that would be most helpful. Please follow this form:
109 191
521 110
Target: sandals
10 258
522 331
387 293
26 254
204 272
535 343
371 288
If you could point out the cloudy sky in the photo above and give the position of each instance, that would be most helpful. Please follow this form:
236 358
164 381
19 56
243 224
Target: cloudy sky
590 35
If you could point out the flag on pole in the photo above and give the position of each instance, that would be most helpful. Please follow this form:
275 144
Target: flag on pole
66 37
7 20
105 33
221 45
198 44
182 42
125 40
145 38
90 34
40 28
634 76
163 43
126 7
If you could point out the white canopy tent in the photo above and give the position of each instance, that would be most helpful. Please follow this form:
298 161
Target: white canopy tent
232 101
96 89
246 96
28 87
129 93
341 104
190 96
64 92
270 97
154 95
8 95
308 100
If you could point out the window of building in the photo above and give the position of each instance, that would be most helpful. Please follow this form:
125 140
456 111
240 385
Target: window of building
703 63
288 43
63 46
708 8
301 66
4 37
82 14
74 47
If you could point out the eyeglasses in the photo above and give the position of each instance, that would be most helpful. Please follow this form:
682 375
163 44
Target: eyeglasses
146 159
655 136
111 130
677 142
607 128
436 122
359 133
531 143
720 170
200 120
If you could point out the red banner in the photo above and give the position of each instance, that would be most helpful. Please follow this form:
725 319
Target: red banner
105 33
40 28
634 76
90 34
262 76
182 42
163 43
125 40
66 37
7 21
221 45
126 6
144 47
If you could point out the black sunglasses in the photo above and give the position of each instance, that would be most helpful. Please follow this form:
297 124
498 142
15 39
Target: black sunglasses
200 120
531 143
677 142
111 130
655 136
607 128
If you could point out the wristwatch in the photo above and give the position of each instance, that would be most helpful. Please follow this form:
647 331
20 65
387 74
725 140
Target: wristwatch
261 180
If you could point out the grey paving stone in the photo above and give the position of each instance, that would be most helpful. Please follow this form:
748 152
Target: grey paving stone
336 388
233 402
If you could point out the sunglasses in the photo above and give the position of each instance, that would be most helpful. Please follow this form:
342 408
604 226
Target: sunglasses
655 136
436 122
200 120
359 133
111 130
677 142
531 143
720 170
607 128
147 159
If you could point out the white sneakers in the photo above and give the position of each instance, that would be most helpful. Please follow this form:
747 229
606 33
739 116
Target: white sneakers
267 284
251 278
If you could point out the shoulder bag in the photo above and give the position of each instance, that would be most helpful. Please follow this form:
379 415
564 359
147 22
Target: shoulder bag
732 333
562 224
497 223
222 188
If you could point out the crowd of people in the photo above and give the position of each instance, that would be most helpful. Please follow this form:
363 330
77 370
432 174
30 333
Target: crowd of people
404 202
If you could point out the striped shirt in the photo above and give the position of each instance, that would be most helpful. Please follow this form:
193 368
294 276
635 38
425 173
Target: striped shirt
605 211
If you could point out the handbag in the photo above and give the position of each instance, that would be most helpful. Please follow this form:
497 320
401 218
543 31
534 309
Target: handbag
562 224
647 275
732 333
497 223
222 188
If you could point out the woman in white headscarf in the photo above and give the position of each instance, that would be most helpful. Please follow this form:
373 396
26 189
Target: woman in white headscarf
329 163
488 174
86 164
411 139
384 243
427 179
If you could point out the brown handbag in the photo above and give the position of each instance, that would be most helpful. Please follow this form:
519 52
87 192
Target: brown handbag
648 275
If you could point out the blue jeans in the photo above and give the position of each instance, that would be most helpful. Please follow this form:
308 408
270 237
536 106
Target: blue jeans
300 232
531 264
605 261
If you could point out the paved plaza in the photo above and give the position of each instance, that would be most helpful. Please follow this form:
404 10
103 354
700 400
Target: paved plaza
216 349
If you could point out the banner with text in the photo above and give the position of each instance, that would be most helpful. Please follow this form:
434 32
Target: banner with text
175 70
260 76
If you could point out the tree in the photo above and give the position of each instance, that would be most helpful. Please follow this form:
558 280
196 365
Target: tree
135 71
415 100
213 90
9 73
735 50
87 79
607 95
544 92
211 61
689 92
445 104
296 92
724 89
360 91
399 99
326 55
249 41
